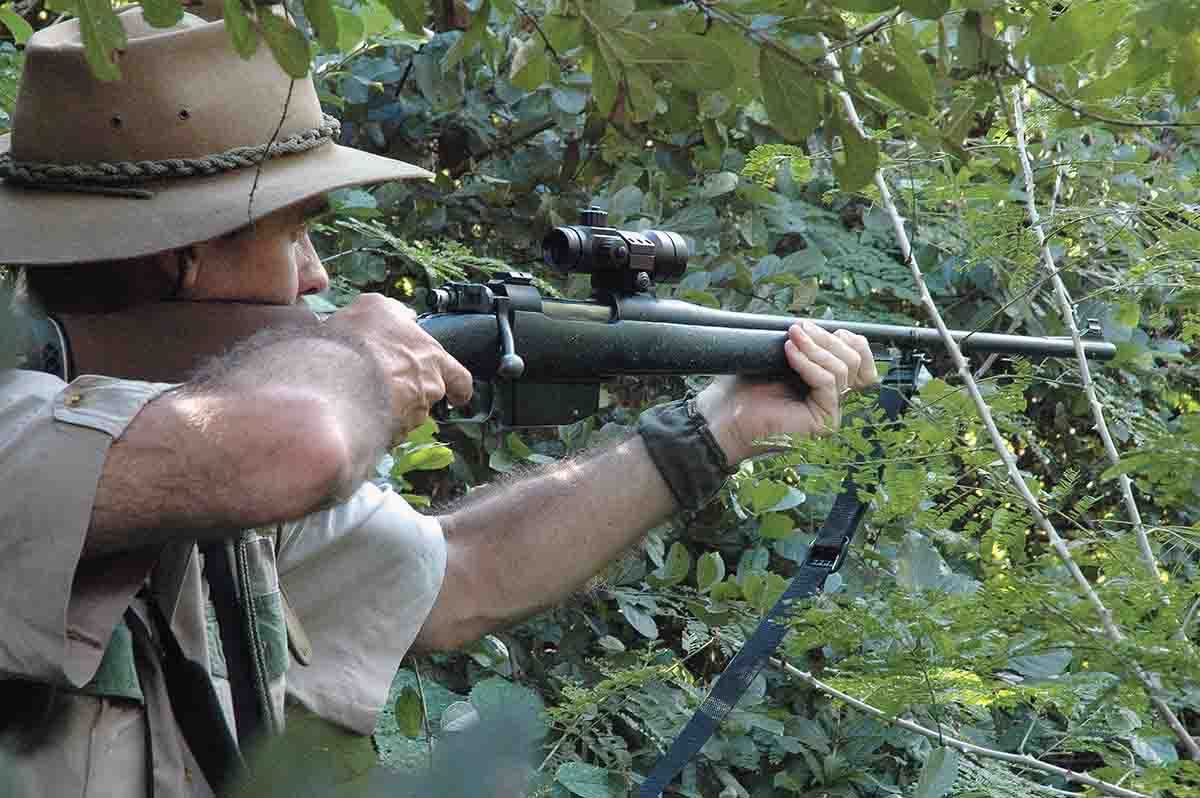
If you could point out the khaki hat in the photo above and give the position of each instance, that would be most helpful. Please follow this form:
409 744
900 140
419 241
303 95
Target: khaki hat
165 156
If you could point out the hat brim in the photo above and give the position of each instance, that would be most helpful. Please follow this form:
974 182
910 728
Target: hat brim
40 227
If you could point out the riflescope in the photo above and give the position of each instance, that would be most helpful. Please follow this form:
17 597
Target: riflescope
594 248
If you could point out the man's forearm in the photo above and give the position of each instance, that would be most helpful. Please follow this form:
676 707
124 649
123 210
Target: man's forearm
518 547
276 429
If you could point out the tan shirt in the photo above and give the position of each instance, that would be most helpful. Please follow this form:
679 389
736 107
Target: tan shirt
362 576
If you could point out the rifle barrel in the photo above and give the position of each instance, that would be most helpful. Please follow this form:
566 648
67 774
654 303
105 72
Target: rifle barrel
643 308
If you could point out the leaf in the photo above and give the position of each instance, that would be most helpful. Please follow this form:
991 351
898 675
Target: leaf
517 446
1185 71
776 526
900 73
926 9
625 203
411 13
938 774
21 30
162 13
640 620
865 6
710 570
241 29
102 33
765 494
324 21
1068 36
287 43
675 569
604 85
718 184
351 30
587 781
427 458
496 697
692 62
790 95
409 715
859 160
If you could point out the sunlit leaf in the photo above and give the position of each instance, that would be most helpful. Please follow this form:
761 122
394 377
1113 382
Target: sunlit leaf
287 43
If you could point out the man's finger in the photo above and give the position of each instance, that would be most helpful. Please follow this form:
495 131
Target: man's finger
866 374
822 398
822 352
459 385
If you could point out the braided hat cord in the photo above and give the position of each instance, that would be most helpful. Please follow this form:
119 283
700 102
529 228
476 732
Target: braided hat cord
83 176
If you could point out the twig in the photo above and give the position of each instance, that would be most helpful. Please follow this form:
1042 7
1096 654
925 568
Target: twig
1078 110
424 713
287 102
1024 760
998 442
369 250
1016 122
545 39
1188 617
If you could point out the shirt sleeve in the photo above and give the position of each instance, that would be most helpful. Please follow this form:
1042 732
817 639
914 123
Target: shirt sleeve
362 577
56 613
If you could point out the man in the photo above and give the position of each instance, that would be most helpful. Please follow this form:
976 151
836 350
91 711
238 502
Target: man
156 539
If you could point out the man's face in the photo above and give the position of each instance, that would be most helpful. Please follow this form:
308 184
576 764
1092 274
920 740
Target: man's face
271 262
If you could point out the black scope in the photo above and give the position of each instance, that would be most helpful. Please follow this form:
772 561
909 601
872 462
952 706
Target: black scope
594 248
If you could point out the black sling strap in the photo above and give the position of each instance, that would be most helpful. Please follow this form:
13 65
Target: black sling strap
825 557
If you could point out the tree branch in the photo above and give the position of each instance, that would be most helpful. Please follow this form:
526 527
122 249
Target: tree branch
985 415
1024 760
1016 122
1082 112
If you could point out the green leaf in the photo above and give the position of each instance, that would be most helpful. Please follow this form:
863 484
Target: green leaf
564 33
287 43
324 21
640 620
1185 71
588 781
900 73
241 29
608 15
938 774
676 567
162 13
604 84
102 33
765 494
1129 314
409 714
1068 36
865 6
776 526
530 66
790 95
411 13
517 446
855 167
427 457
926 9
351 30
21 30
710 570
692 62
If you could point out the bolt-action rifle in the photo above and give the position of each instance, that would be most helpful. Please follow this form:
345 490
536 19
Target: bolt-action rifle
537 360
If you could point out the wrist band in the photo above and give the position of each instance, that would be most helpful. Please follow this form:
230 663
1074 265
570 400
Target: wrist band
685 452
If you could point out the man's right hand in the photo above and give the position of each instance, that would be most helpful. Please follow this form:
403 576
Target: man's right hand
419 371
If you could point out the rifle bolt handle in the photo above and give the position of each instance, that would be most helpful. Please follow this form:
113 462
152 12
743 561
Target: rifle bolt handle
511 367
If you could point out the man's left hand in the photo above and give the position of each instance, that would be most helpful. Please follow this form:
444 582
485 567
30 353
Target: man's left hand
741 411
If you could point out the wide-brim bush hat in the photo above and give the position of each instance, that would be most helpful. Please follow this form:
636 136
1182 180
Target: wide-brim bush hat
166 155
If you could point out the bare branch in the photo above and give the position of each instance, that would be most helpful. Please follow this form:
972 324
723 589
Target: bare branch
1024 760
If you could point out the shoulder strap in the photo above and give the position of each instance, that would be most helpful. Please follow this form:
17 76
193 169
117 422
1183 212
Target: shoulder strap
825 556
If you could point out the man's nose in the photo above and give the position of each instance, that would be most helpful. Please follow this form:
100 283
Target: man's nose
313 277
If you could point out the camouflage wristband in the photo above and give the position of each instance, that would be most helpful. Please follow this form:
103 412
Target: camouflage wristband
685 452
